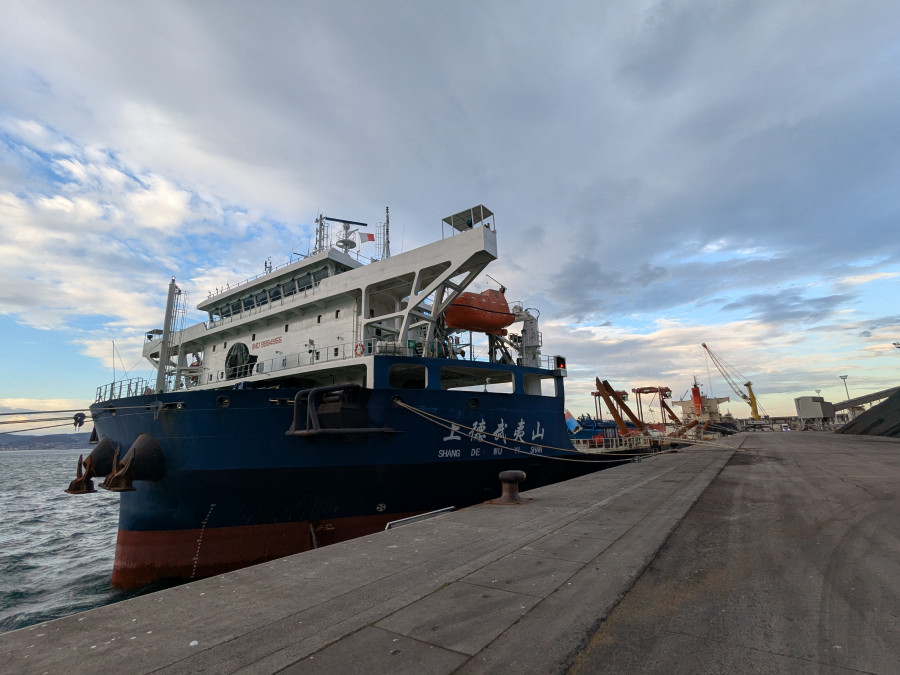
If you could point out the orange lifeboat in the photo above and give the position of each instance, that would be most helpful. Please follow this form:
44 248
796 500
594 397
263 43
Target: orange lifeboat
485 312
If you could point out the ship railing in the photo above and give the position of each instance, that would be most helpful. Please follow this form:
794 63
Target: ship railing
134 386
229 287
547 362
592 445
271 304
344 351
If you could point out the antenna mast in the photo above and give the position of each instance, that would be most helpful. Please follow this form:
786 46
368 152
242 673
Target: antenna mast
386 246
321 234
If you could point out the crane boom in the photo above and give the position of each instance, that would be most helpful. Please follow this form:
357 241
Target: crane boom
731 377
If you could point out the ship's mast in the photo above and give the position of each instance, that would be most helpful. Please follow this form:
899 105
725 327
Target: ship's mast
164 345
321 234
386 248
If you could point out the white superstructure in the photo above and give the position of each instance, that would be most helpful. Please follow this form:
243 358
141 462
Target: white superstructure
321 318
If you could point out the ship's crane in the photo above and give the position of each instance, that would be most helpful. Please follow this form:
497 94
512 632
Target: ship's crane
663 393
616 405
732 377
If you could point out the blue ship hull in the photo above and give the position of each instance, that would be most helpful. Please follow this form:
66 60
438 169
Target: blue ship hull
249 477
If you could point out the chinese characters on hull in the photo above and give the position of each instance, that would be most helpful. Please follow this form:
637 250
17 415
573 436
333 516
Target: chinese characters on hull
497 439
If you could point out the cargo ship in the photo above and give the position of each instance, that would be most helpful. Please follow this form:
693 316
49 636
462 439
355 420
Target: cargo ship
324 399
704 410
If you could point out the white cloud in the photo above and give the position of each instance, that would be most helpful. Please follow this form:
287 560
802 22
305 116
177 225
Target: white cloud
14 212
868 278
160 206
9 405
680 172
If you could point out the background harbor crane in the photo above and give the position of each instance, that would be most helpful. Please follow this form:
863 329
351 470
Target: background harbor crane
732 377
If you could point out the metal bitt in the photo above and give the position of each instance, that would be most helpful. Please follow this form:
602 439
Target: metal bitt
510 481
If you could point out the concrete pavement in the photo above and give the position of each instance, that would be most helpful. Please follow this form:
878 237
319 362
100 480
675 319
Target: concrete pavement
482 589
789 562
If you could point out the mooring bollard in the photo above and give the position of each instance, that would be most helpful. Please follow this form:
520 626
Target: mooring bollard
510 481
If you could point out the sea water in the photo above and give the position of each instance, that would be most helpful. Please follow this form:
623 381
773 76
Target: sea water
56 549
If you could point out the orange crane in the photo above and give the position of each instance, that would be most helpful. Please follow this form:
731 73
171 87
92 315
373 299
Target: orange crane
732 377
663 393
616 404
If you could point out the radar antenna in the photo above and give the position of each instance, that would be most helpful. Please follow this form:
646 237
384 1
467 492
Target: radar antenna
346 240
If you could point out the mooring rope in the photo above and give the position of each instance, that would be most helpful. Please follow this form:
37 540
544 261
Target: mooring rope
51 426
704 443
31 421
45 412
448 424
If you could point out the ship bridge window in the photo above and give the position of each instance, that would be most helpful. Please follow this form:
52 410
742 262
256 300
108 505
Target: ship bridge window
248 303
408 376
226 311
275 293
319 275
539 385
304 282
289 288
477 379
262 299
236 308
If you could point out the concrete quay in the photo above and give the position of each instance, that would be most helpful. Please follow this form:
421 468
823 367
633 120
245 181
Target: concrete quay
476 589
788 562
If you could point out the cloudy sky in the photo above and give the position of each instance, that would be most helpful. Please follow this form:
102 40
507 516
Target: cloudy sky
663 173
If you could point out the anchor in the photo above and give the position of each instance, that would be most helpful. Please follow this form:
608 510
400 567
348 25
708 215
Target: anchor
143 461
82 483
98 463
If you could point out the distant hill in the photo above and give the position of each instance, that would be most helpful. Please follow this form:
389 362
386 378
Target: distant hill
47 442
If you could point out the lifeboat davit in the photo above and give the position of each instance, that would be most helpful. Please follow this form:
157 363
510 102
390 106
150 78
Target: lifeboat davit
485 312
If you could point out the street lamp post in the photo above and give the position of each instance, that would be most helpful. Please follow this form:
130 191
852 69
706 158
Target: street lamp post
847 391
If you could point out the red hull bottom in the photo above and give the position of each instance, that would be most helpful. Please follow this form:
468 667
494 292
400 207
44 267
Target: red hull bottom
143 558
